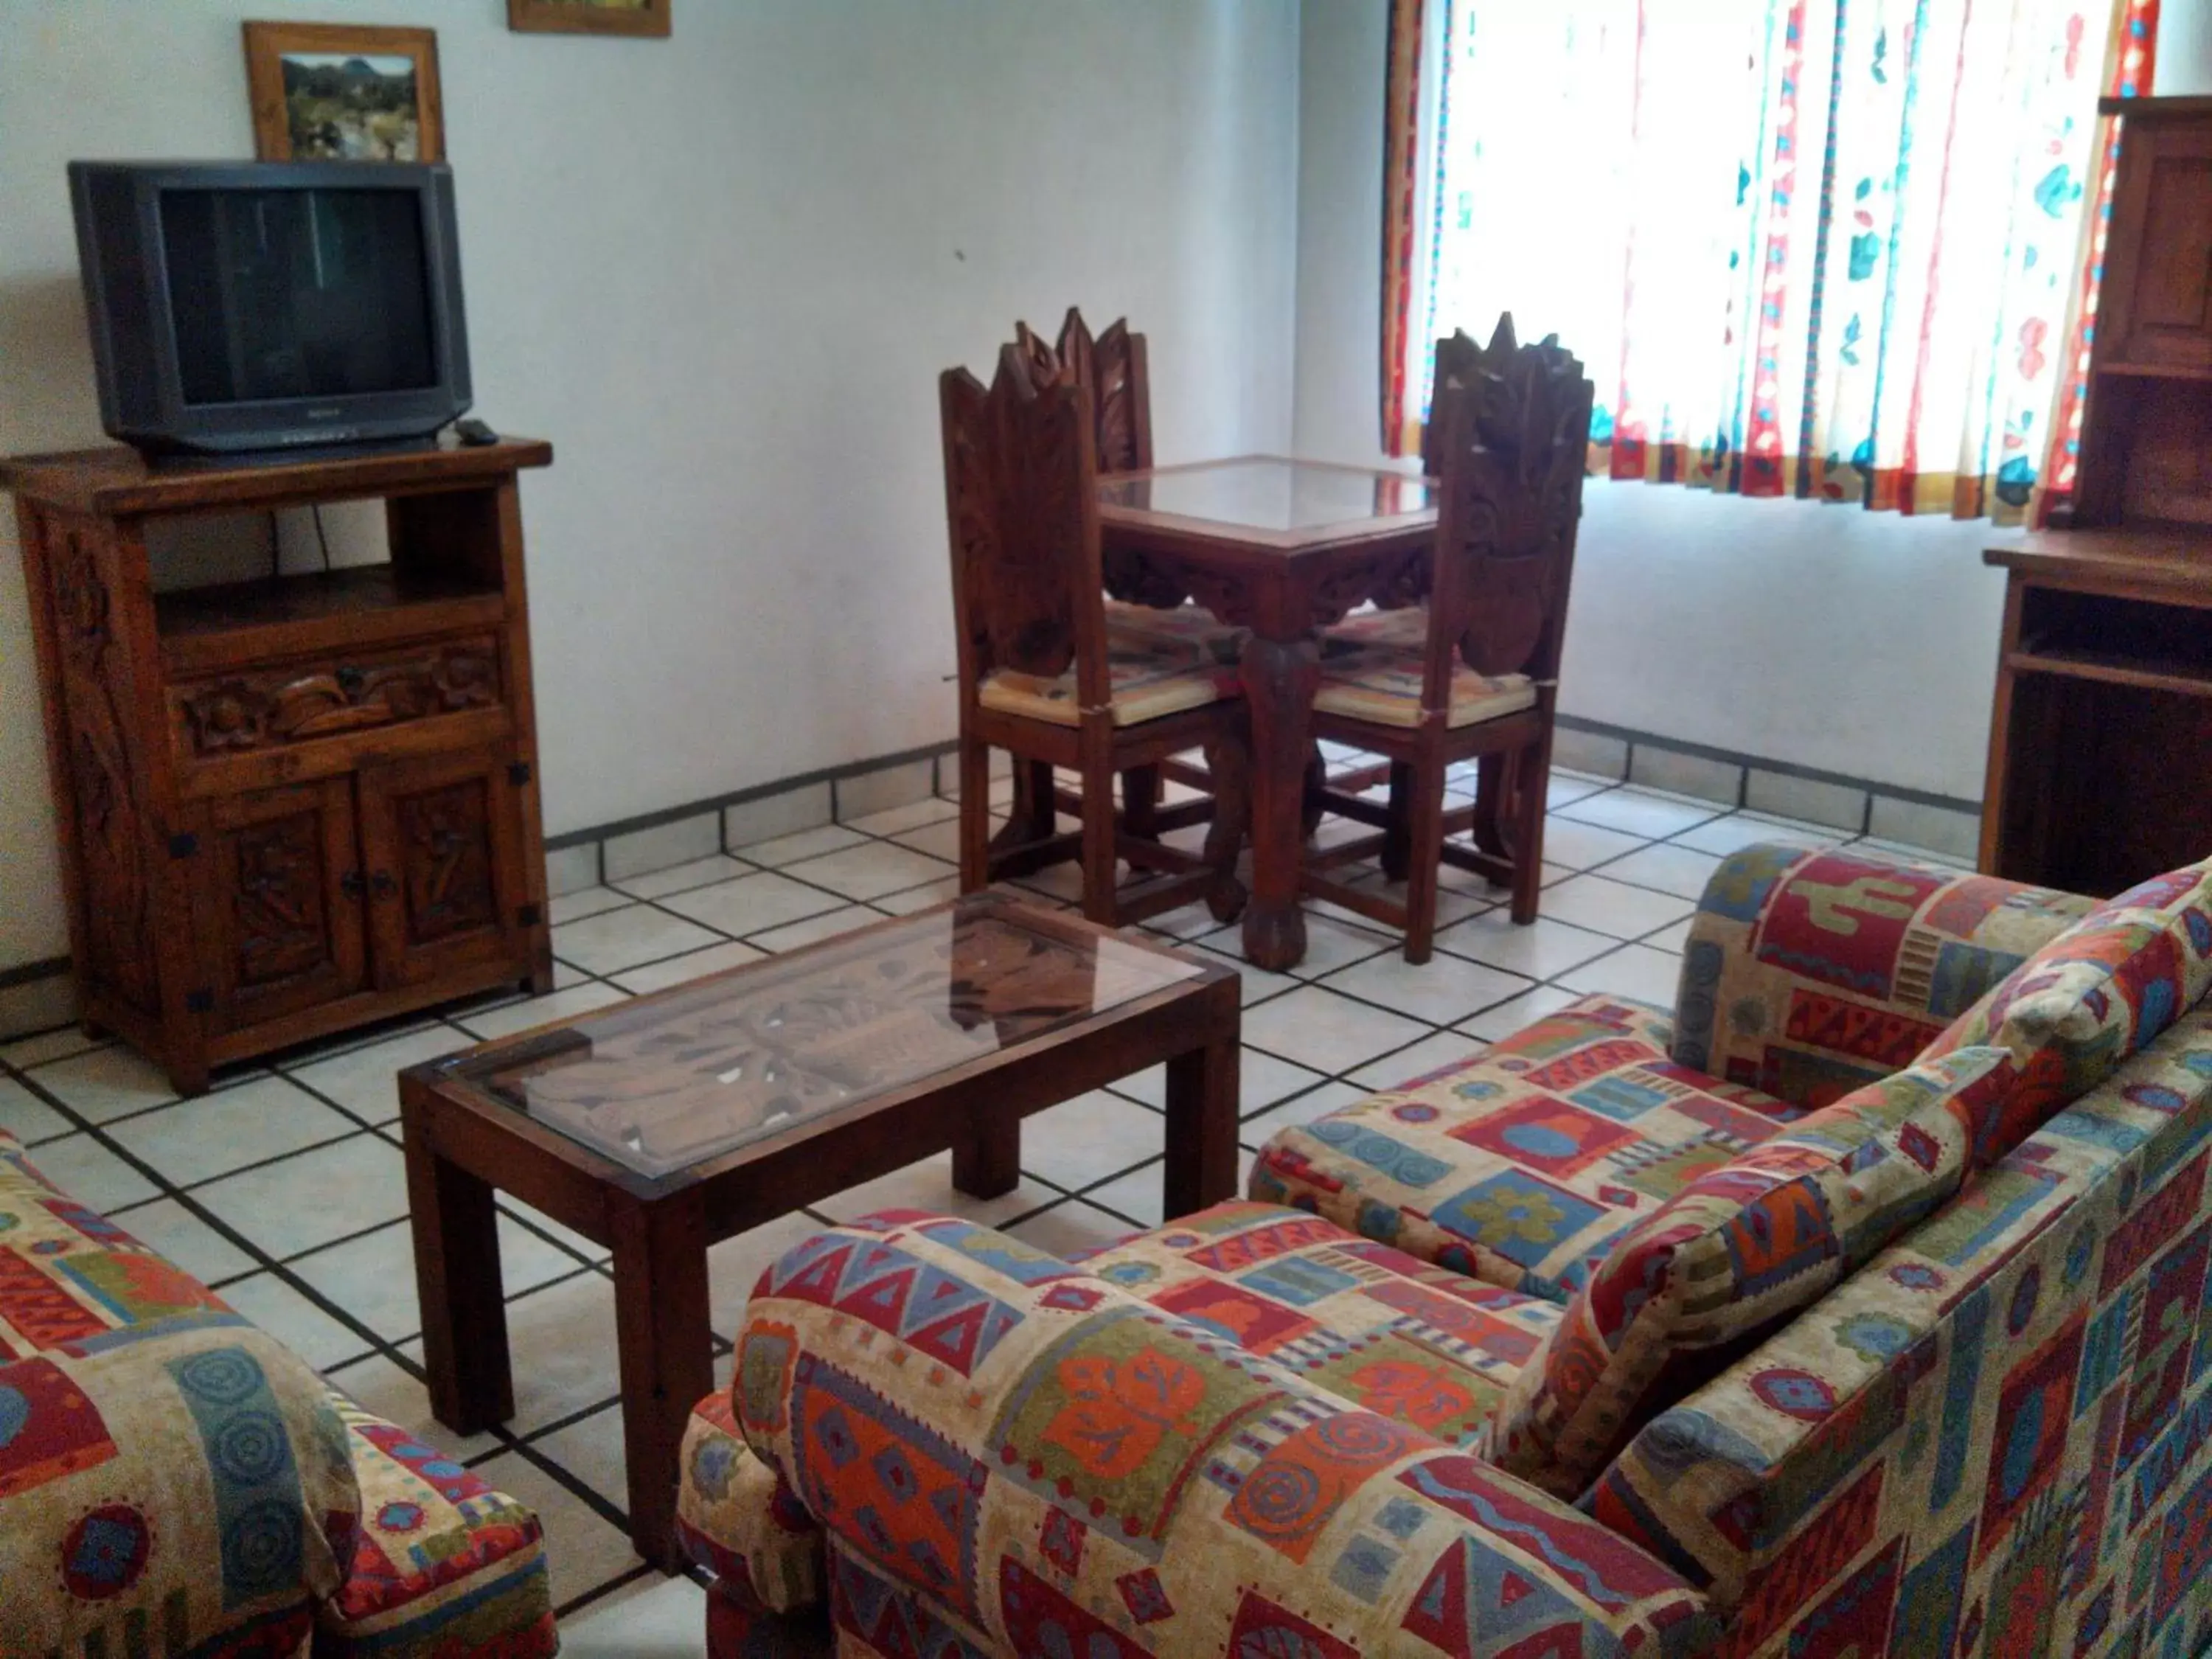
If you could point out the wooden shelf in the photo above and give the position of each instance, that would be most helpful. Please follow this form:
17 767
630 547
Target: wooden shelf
319 611
2113 668
120 481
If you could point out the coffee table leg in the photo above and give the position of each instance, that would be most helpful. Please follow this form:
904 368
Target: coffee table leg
667 1358
1202 1098
457 1277
987 1161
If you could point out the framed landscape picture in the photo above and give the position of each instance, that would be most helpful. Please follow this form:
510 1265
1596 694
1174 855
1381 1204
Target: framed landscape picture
589 16
333 92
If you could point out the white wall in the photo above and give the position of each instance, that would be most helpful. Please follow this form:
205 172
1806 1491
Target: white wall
1856 643
722 273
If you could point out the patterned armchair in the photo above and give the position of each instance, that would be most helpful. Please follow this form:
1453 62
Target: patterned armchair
174 1482
1863 1312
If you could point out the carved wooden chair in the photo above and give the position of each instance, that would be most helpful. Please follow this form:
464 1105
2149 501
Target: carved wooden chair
1111 369
1515 426
1403 622
1038 674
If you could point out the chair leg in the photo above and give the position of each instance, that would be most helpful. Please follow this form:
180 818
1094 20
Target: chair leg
1397 834
1493 781
1032 818
1140 802
974 815
1533 765
1425 851
1309 808
1098 860
1231 766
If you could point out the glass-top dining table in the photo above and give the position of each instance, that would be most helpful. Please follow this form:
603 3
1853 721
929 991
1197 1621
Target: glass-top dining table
1283 547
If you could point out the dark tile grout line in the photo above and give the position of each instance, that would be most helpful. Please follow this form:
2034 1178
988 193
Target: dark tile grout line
524 1445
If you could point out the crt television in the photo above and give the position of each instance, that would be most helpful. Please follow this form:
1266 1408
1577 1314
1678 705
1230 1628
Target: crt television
256 305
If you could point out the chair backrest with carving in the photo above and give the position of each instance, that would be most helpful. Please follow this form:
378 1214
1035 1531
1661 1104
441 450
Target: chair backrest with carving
1021 506
1112 370
1516 425
1455 353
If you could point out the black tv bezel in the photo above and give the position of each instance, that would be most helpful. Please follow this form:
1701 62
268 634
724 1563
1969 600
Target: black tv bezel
167 423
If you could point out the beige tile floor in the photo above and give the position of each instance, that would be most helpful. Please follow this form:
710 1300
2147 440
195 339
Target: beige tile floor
283 1187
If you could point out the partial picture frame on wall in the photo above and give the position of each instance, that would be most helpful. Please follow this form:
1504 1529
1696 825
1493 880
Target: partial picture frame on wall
644 18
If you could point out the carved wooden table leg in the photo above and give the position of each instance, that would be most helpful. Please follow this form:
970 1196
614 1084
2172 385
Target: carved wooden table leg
1280 677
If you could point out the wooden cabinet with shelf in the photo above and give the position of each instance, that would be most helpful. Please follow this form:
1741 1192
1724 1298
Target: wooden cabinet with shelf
2101 743
297 804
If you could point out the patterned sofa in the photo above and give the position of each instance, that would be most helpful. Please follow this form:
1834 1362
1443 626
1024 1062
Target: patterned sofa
176 1485
1860 1310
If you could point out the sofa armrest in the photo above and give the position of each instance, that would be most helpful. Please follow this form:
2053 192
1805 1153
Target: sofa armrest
1005 1444
1809 974
187 1477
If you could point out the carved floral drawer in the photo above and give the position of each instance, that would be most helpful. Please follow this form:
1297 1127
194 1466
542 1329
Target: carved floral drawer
254 710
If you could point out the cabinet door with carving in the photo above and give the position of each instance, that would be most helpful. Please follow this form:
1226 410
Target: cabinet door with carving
276 882
442 837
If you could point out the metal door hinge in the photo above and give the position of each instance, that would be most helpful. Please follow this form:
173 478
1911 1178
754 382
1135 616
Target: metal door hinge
199 1002
183 846
518 773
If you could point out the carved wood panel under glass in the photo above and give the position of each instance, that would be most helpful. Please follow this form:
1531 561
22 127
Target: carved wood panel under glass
669 1081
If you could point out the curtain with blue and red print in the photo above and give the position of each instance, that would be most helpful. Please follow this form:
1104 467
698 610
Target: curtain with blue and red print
1846 250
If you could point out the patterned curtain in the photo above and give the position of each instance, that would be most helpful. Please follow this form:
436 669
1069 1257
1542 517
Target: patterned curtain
1841 249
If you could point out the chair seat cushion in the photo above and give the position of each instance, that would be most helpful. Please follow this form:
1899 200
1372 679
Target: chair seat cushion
1157 662
1179 625
1522 1166
1405 629
1381 685
442 1563
2101 991
1737 1253
1425 1345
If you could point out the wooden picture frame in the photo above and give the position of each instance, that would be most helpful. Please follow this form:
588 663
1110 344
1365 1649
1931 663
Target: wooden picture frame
645 19
350 116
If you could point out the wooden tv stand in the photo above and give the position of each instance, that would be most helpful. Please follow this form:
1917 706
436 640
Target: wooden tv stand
299 803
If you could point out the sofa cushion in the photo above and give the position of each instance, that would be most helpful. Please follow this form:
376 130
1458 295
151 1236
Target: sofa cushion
442 1564
1810 974
1738 1251
1520 1166
2099 991
1423 1345
1010 1455
2024 1369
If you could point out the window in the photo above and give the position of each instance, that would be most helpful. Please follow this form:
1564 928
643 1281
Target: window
1841 249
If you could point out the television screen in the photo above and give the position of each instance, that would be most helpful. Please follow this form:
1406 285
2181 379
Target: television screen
244 306
296 293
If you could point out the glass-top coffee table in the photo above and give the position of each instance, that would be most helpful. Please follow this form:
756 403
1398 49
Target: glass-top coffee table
660 1126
